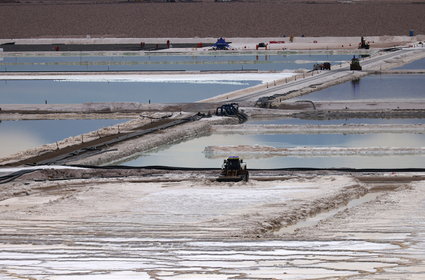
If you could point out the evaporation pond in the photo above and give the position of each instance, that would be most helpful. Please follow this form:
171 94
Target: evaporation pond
376 87
417 64
166 62
74 92
190 153
16 136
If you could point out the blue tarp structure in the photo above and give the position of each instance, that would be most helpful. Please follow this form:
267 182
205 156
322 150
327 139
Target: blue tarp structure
221 44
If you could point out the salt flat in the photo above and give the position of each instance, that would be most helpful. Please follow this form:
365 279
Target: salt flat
201 229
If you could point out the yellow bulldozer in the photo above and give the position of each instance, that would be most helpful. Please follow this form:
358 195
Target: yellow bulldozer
233 170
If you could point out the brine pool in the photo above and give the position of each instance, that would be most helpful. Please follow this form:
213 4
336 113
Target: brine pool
127 90
418 64
191 153
16 136
20 135
70 92
166 62
376 87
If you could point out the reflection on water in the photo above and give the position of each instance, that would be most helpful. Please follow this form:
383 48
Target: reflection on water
418 64
56 92
18 136
156 62
373 87
355 87
190 153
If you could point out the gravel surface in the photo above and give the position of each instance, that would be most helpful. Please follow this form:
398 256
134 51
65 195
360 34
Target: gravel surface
209 19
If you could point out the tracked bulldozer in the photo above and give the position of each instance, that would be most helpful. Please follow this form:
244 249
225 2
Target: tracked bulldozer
231 110
355 64
233 170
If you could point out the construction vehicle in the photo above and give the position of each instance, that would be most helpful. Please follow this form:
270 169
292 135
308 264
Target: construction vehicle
363 44
261 45
233 170
355 64
322 66
221 44
231 110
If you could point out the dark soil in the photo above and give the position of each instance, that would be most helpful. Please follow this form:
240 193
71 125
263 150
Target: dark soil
210 19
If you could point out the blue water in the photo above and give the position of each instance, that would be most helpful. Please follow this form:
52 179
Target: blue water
59 92
53 92
190 153
157 62
418 64
400 87
21 135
